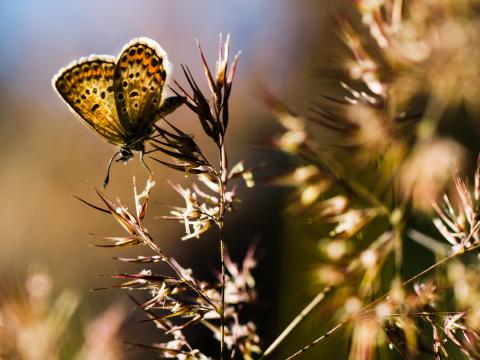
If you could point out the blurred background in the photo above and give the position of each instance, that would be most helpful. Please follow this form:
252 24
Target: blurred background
48 155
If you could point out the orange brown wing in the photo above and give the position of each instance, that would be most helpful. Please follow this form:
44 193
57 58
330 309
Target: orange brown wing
139 82
87 86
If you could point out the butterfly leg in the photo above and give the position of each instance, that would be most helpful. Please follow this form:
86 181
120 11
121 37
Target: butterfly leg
107 177
142 160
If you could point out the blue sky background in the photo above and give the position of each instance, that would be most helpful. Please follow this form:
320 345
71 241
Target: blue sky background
38 37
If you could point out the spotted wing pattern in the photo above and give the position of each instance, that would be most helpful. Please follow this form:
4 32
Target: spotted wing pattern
87 86
139 82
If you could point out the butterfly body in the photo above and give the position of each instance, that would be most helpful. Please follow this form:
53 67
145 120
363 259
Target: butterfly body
120 98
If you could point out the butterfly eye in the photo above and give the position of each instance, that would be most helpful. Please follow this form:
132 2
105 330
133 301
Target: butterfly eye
125 153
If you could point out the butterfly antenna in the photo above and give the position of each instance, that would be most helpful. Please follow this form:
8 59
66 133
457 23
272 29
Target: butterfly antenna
107 177
142 160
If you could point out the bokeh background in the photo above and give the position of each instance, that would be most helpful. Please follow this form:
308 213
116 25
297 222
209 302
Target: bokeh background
47 155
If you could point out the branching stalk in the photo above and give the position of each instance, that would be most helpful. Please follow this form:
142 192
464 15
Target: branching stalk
177 271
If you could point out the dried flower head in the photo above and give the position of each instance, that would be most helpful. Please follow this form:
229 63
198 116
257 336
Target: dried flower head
461 228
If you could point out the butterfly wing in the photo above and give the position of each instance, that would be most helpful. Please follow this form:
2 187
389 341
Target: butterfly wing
140 76
87 86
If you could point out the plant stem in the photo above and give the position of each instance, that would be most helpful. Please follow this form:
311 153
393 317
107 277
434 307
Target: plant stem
221 216
323 337
306 310
222 309
178 271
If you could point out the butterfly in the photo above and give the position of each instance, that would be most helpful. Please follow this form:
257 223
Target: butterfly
120 99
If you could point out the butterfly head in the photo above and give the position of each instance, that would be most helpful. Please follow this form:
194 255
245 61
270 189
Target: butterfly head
125 154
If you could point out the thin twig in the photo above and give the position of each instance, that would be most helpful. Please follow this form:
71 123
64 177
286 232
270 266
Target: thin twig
426 241
316 341
223 185
297 320
222 309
